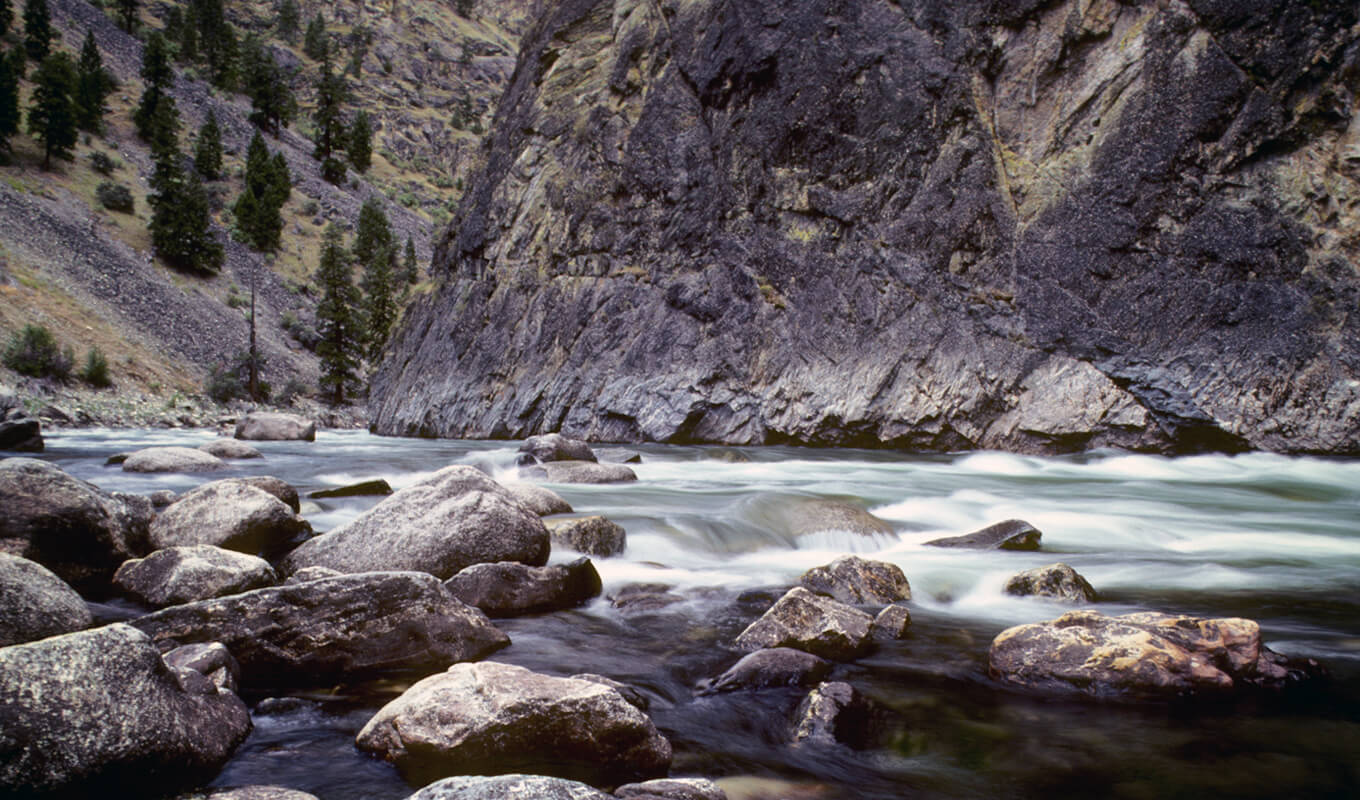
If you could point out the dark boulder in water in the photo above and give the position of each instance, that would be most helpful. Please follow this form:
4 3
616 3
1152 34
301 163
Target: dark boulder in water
1013 534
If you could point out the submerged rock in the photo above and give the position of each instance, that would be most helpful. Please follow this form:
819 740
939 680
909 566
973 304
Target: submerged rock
509 787
232 514
556 447
775 666
272 426
510 589
1013 534
540 500
805 621
230 448
353 625
362 489
100 714
579 472
176 575
641 598
172 459
808 516
35 603
1144 654
594 536
1058 581
858 581
449 521
502 718
835 713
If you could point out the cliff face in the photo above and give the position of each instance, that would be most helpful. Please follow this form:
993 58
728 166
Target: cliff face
1039 226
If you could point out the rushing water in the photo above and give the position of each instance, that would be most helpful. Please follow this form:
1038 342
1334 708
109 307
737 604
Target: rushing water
1267 537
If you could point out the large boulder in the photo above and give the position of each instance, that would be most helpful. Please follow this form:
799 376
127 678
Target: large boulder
172 459
858 581
594 535
476 718
345 626
100 714
231 514
556 447
18 431
509 588
509 787
230 449
808 516
279 488
178 575
36 603
451 520
1144 654
579 472
816 624
541 500
1012 534
775 666
1056 581
69 526
270 426
250 793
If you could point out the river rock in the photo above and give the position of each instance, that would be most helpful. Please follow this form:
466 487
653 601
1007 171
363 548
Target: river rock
579 472
632 695
775 666
36 603
21 434
511 589
73 528
171 459
834 713
509 787
99 714
556 447
1143 654
858 581
891 624
231 514
595 535
451 520
641 598
542 501
279 488
502 718
808 516
1013 534
805 621
162 498
176 575
1058 581
313 574
270 426
346 626
671 789
250 793
230 448
361 489
618 455
212 660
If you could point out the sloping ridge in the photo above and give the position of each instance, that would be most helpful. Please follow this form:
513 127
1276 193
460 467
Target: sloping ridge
1041 227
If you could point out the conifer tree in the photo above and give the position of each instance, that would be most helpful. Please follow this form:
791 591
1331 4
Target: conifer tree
315 42
380 307
52 113
268 184
410 269
289 21
208 149
9 104
37 29
373 233
127 14
93 84
181 221
360 145
159 76
6 17
271 99
331 96
336 320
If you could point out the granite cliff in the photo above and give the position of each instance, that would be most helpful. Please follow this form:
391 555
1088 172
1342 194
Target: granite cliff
1035 226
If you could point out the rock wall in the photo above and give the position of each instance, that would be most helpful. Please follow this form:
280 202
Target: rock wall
1039 226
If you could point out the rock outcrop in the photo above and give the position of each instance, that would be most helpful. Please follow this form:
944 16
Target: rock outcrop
1031 226
36 603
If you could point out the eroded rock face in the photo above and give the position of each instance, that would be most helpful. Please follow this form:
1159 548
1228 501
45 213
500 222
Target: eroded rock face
509 787
1057 581
1144 654
172 459
98 713
230 514
595 535
858 581
36 603
455 518
273 426
73 528
178 575
345 626
949 226
497 717
816 624
510 589
1012 534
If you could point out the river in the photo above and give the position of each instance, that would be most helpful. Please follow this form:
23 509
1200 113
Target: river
1271 538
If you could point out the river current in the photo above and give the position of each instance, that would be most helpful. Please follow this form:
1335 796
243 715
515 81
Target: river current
1271 538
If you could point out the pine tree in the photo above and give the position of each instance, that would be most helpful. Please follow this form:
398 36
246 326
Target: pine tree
127 14
181 220
52 114
93 84
224 63
290 20
208 149
6 17
335 318
315 42
258 221
360 145
380 307
37 29
373 234
410 269
331 96
159 76
9 104
271 99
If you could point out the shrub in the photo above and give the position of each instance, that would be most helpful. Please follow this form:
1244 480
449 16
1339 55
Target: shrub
223 384
103 163
34 351
114 197
96 369
291 390
311 208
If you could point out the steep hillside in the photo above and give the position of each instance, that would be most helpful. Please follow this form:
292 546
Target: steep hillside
1034 226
